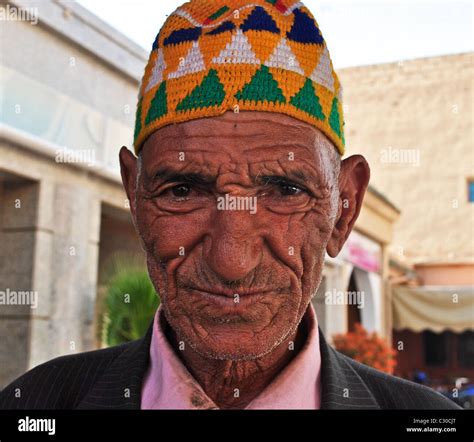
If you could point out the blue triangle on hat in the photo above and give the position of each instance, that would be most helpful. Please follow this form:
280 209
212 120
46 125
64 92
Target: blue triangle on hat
304 29
182 35
224 27
260 20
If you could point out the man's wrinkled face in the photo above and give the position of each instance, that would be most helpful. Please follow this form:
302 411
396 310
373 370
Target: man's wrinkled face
235 273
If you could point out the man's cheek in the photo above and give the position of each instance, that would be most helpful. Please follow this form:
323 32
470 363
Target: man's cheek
168 236
319 224
304 237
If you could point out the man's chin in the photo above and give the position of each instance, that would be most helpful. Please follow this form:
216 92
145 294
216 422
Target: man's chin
232 341
219 329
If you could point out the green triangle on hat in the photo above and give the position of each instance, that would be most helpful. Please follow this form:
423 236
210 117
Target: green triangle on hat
138 119
209 93
262 87
335 118
308 101
159 106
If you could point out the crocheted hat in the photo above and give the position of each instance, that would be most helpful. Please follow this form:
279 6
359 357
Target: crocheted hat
212 56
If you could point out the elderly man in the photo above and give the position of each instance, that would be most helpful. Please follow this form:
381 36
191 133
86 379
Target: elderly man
237 193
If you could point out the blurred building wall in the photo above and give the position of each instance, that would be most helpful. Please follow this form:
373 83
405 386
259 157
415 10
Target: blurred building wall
414 123
69 91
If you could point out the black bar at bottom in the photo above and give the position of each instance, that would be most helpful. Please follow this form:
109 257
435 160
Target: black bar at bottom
319 425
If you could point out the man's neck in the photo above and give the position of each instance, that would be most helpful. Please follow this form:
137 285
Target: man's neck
234 384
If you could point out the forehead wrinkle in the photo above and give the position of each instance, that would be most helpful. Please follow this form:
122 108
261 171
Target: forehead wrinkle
301 171
194 164
179 134
186 143
276 145
317 142
177 167
233 150
214 133
282 120
197 127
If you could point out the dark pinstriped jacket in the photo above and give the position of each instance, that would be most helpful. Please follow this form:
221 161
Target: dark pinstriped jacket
112 379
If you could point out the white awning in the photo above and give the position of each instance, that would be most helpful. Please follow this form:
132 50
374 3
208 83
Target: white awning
433 308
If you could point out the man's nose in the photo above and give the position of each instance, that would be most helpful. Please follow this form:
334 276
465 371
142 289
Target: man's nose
234 247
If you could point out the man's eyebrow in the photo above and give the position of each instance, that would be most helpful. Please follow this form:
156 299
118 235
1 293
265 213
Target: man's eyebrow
171 176
296 175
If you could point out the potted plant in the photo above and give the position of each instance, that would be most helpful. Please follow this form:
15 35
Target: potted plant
367 348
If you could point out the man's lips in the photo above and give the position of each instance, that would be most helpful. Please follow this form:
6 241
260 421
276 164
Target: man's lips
231 293
231 302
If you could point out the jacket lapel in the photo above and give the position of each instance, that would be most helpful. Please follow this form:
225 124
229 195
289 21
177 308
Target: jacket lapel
120 385
341 385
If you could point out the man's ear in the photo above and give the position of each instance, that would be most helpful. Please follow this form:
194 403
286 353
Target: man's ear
128 170
353 181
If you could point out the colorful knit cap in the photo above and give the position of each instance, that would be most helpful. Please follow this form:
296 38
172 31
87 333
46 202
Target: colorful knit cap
212 56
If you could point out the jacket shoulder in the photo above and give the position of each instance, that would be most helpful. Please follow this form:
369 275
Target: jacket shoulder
392 392
59 383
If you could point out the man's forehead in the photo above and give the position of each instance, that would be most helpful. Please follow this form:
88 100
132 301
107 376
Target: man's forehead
248 136
248 119
214 158
208 165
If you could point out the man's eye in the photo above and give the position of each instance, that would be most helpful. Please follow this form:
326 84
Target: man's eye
181 191
285 188
289 189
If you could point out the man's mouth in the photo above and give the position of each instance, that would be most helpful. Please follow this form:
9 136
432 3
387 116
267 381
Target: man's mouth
232 301
233 293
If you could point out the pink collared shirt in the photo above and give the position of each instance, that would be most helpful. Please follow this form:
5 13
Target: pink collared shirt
169 385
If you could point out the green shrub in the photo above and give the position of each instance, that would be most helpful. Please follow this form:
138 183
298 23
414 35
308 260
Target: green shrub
129 306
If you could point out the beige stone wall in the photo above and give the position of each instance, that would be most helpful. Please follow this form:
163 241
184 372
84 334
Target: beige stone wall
63 94
60 94
50 246
420 110
18 214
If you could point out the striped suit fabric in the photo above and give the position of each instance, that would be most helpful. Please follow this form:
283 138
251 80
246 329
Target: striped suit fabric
112 379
